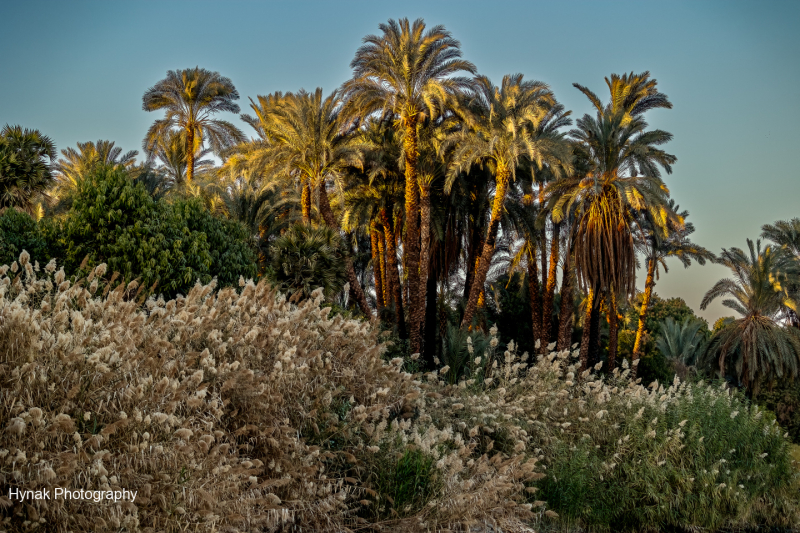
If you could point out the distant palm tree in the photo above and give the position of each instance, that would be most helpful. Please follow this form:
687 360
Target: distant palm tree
408 72
26 158
75 164
190 97
657 247
169 153
620 176
787 234
755 347
501 133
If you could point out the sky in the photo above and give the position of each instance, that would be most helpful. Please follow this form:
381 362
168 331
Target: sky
77 71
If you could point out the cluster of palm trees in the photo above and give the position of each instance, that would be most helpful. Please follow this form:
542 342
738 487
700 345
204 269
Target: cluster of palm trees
427 180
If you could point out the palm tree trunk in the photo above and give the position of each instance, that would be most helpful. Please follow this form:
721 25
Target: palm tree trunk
330 220
189 155
550 289
474 252
612 331
392 274
430 344
503 177
387 294
305 203
376 266
533 296
565 313
411 242
648 292
587 329
424 259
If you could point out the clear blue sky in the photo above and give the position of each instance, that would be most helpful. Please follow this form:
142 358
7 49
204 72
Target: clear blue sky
77 71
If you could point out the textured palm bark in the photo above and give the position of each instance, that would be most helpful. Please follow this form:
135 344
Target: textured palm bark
355 286
430 346
565 319
587 330
392 274
376 266
648 292
305 203
612 331
424 258
550 289
534 297
411 242
473 252
503 176
387 295
189 155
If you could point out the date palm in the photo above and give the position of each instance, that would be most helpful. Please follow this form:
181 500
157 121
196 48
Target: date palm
501 133
620 176
408 72
169 152
26 159
787 234
759 348
657 248
190 99
77 163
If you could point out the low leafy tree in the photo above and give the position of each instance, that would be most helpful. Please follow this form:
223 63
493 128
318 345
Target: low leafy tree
18 232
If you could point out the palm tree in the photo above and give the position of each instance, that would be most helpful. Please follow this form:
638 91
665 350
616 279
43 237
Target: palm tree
501 132
75 164
787 234
169 151
681 342
620 176
760 348
408 73
190 98
26 158
307 138
656 248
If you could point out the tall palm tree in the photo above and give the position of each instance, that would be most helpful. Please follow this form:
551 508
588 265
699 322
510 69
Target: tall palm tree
408 72
501 132
26 159
787 234
619 177
760 348
657 247
190 98
308 139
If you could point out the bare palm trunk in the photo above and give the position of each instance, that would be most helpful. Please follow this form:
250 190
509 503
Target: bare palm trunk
612 331
587 329
411 248
550 289
424 259
387 294
533 296
648 292
330 220
565 313
503 177
430 345
474 253
392 274
376 266
305 203
189 155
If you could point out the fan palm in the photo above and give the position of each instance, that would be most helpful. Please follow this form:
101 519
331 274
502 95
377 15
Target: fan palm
408 72
760 348
26 158
190 98
620 176
681 342
501 132
657 248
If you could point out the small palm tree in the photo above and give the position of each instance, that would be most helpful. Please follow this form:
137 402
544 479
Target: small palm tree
682 342
169 153
755 347
408 72
75 164
190 98
787 234
501 132
26 158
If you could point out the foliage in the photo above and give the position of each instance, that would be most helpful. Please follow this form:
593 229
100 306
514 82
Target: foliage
26 157
681 342
18 232
783 399
305 258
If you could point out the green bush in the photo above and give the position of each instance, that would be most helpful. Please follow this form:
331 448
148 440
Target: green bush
783 399
18 231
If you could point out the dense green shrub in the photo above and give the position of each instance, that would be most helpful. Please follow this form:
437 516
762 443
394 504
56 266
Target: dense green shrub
783 399
114 220
18 231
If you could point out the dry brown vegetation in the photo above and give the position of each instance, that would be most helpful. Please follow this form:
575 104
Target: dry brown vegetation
236 410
